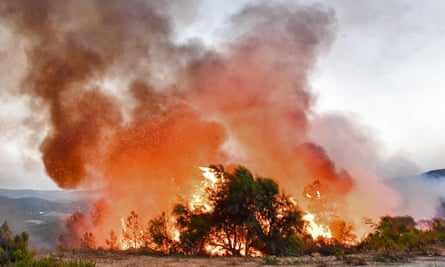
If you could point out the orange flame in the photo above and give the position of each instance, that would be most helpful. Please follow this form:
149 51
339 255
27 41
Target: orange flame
314 229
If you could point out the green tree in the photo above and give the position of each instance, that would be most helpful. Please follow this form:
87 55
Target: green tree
194 228
250 213
13 249
247 214
234 212
6 236
394 238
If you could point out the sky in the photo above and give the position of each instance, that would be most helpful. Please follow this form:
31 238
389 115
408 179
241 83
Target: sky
383 70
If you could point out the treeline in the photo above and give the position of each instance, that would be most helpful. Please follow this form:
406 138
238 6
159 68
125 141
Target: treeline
243 215
247 215
240 215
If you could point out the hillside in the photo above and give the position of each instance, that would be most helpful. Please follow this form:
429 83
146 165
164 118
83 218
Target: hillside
43 219
50 195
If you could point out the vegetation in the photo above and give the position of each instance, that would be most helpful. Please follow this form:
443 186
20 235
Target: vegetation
13 248
247 215
397 239
14 252
270 260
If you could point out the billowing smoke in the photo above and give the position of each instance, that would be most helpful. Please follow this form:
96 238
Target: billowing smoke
134 113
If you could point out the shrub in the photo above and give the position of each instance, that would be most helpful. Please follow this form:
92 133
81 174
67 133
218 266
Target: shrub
270 260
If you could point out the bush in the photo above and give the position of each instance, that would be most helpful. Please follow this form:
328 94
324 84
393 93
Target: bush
270 260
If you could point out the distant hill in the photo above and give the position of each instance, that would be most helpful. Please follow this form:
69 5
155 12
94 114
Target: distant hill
51 195
437 174
40 213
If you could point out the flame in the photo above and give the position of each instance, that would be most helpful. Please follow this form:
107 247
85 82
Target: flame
216 250
199 197
314 229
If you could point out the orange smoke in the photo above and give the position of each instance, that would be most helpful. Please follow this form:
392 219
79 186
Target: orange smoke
178 106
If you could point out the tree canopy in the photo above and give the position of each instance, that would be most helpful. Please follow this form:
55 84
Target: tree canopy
247 214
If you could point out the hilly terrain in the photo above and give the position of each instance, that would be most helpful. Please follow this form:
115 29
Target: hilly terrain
39 213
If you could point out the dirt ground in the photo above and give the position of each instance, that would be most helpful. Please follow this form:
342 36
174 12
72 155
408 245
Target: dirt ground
115 260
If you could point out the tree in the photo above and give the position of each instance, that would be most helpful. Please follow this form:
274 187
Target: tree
112 241
194 229
88 241
234 212
6 236
132 235
13 249
159 234
247 214
6 239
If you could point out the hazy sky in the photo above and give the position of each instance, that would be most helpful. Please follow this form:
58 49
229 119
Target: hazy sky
384 69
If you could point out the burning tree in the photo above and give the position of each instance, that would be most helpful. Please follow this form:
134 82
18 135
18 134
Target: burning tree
131 233
194 227
158 234
112 241
88 241
246 215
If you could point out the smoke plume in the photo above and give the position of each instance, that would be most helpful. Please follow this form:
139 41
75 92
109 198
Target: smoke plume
134 113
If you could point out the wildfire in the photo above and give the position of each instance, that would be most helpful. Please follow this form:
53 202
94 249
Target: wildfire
199 197
122 242
314 229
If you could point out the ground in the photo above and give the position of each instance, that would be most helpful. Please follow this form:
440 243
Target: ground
106 259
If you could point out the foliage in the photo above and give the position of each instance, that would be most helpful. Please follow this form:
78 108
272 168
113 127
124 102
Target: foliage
158 234
194 227
247 214
397 239
13 249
